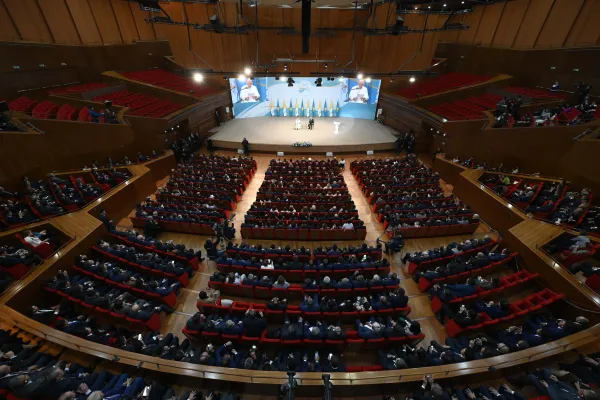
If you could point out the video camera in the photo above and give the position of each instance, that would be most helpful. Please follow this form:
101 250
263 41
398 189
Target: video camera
225 229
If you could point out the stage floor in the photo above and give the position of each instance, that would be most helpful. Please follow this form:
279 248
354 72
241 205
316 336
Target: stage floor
278 134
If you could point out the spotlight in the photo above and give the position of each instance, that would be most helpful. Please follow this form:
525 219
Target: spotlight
444 120
247 71
428 6
285 67
359 76
368 80
224 78
266 71
325 66
341 79
241 77
445 4
276 78
198 77
412 79
290 82
416 8
319 82
391 79
281 78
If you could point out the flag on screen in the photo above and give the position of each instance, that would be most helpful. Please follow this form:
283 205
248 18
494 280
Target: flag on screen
284 108
297 109
272 108
302 107
277 109
314 110
337 109
331 108
319 108
307 109
291 110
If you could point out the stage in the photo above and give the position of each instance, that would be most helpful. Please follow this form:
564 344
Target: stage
271 134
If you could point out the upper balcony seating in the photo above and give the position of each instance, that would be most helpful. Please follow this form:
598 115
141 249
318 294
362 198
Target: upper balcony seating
75 89
141 105
442 83
168 80
469 108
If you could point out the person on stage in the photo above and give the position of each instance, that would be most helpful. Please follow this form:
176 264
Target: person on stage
249 93
298 124
311 123
359 93
246 146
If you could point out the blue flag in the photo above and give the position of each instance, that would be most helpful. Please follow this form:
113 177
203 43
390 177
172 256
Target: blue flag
313 111
277 113
337 108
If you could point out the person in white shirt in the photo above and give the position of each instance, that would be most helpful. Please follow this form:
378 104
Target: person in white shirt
298 124
249 93
33 239
348 226
359 93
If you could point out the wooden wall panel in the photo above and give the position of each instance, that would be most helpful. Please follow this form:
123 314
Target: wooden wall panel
60 21
28 16
145 29
8 30
533 21
473 19
559 23
125 21
586 29
106 21
509 23
489 23
84 20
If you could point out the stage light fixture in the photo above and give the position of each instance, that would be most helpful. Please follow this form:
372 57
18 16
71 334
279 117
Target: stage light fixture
428 6
359 76
198 77
225 78
416 8
445 4
341 79
247 71
412 79
325 66
285 67
283 78
391 79
319 82
290 82
276 78
368 80
242 77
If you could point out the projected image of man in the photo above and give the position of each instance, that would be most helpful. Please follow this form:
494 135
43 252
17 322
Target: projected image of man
359 93
249 93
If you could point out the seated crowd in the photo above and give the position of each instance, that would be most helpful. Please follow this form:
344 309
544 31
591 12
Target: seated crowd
302 194
200 192
57 195
406 196
548 199
27 371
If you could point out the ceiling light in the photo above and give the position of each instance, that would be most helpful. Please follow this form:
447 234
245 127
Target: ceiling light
319 82
291 82
247 71
359 76
242 77
428 6
416 8
445 5
412 79
325 66
368 80
285 67
198 77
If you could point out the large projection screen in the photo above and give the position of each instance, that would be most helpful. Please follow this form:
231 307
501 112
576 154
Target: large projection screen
268 96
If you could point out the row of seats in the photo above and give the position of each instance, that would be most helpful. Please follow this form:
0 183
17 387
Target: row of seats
140 104
425 284
518 309
168 80
469 108
360 233
76 89
442 83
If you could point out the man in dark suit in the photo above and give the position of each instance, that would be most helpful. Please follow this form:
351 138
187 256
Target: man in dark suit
311 123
